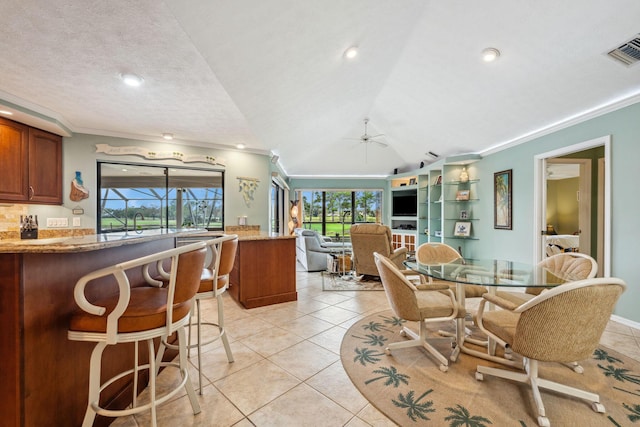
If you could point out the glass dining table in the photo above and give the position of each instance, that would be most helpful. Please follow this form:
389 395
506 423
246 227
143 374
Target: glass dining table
493 274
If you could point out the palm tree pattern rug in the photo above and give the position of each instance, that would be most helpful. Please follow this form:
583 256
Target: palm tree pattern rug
338 282
409 388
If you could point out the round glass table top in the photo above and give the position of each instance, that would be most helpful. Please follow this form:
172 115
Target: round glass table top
491 272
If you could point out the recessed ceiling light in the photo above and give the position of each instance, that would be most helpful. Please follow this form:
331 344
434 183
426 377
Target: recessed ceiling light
240 146
490 54
167 136
131 79
351 53
8 113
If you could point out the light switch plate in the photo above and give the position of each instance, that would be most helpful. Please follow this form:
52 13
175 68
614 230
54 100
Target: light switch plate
57 222
76 221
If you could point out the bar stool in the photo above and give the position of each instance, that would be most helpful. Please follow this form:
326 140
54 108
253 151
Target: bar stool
221 255
136 314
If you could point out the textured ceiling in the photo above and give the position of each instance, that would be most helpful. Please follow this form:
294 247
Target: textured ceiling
271 73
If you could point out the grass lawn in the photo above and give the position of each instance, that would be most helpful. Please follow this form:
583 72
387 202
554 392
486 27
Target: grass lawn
335 227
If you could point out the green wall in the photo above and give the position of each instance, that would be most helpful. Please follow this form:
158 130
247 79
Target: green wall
79 154
517 244
562 205
624 127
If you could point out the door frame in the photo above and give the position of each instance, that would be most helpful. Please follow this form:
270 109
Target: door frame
540 195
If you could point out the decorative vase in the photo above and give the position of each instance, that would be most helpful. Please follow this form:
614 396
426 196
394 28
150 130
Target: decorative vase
464 176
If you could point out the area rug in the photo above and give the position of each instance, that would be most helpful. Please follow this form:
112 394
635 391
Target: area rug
337 282
409 388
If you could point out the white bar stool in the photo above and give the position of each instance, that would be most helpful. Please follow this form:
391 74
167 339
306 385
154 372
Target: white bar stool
139 314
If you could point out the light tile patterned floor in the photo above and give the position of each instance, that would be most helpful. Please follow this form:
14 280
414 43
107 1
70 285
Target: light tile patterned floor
287 369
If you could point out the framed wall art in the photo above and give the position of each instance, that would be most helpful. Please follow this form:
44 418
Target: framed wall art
462 229
502 195
463 195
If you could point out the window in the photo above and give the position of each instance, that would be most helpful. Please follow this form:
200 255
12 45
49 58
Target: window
277 208
149 197
332 212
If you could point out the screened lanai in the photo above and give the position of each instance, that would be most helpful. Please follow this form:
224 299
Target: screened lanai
139 197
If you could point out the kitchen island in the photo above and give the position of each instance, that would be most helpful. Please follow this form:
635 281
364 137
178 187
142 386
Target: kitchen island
264 271
44 375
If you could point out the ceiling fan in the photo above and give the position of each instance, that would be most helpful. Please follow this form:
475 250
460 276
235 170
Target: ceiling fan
365 138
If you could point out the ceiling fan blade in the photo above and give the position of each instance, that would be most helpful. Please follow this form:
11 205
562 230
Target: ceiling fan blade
383 144
375 136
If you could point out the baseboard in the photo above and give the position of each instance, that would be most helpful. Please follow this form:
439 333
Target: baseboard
626 322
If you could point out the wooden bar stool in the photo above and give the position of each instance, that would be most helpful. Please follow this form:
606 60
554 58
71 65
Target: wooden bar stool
138 313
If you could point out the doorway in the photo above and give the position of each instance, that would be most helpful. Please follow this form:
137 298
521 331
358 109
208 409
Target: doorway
568 209
573 207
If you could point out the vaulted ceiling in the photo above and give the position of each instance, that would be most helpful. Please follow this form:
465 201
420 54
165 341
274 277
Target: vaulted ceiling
272 74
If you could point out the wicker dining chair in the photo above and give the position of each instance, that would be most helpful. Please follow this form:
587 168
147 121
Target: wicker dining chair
563 324
423 304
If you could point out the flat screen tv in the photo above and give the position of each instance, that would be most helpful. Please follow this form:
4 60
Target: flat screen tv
404 205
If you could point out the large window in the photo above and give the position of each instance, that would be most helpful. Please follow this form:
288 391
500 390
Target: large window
138 197
331 212
277 208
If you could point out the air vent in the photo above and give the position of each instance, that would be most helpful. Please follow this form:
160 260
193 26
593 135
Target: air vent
628 53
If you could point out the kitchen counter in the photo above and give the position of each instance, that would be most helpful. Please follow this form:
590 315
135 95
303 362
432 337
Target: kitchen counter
44 375
264 271
265 236
244 237
90 242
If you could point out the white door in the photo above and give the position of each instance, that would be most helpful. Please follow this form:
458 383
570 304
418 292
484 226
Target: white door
582 196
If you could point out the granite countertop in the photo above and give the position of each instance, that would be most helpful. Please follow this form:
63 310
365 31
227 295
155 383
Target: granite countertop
90 242
265 236
260 235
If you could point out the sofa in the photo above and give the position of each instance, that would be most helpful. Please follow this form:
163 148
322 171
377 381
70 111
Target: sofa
313 250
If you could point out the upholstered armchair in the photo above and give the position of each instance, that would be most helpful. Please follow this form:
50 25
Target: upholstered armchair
369 238
312 249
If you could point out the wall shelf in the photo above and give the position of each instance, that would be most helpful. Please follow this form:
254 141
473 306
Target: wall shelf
437 187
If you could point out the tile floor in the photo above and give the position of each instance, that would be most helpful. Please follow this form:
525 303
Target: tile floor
287 369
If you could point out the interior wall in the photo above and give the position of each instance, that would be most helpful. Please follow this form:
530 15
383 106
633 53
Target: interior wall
562 205
518 245
79 154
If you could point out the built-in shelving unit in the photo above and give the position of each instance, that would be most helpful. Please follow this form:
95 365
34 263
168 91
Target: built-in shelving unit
435 206
405 211
446 196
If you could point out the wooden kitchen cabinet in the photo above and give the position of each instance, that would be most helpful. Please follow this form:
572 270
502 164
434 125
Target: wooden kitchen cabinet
31 164
14 163
45 167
